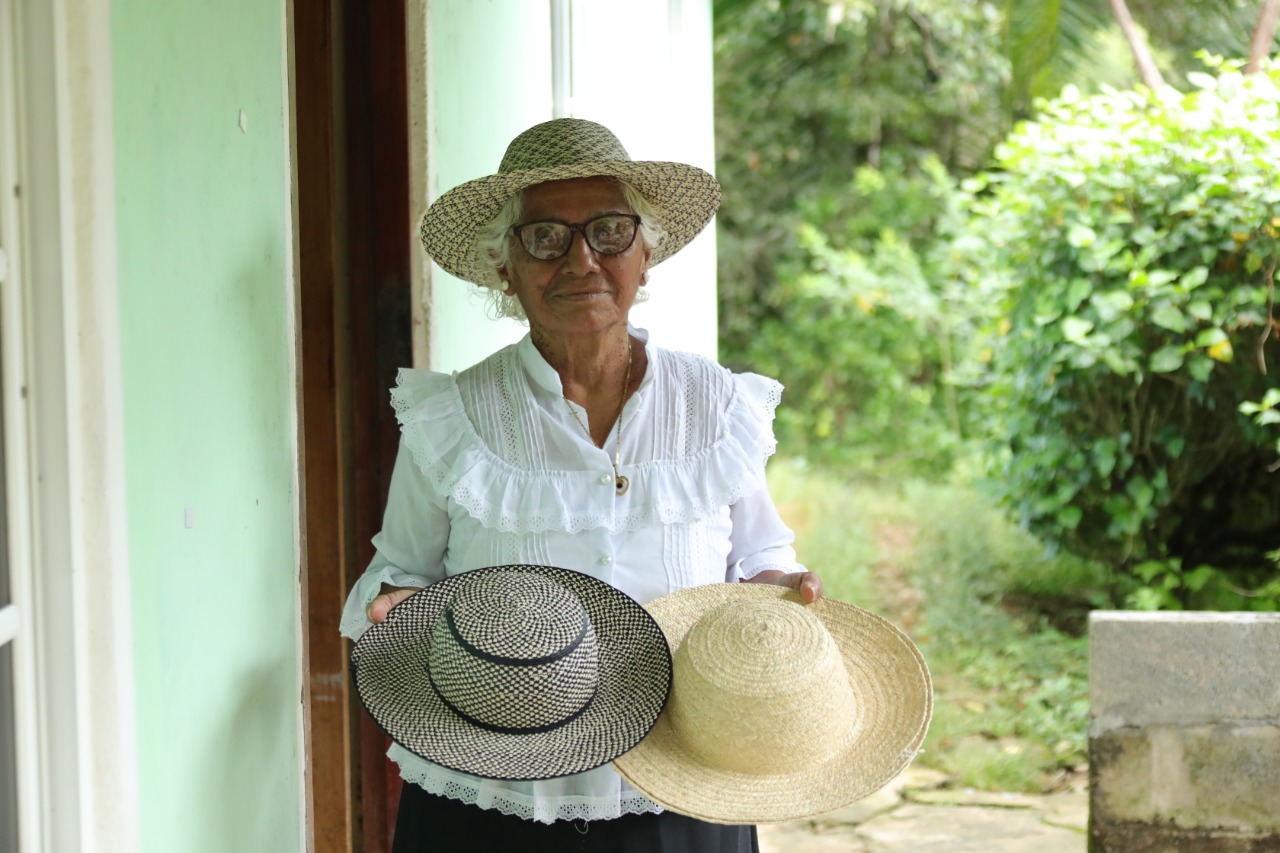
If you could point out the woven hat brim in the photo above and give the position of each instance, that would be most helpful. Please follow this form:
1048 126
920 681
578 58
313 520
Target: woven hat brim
886 670
687 195
389 666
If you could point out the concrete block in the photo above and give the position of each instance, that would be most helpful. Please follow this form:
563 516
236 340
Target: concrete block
1183 668
1216 777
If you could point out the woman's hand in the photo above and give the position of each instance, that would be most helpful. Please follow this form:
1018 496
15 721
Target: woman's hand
808 584
390 597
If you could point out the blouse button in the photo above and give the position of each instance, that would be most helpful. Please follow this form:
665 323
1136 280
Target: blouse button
606 479
606 560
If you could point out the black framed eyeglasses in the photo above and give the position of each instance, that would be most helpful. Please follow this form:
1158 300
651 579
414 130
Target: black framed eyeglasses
610 234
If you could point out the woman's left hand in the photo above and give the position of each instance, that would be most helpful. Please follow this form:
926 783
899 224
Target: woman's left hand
808 584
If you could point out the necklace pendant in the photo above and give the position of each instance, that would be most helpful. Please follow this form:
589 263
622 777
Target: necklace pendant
621 484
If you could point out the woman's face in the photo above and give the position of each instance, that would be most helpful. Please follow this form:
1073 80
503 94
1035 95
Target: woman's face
582 292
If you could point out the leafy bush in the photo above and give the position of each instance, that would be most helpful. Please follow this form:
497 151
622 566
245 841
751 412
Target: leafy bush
1139 238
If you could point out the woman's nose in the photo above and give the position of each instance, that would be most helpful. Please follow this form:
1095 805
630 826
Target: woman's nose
580 258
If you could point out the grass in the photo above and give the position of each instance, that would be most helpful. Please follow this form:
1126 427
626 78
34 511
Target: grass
1000 622
825 517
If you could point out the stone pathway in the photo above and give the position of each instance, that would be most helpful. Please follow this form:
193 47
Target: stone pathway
918 813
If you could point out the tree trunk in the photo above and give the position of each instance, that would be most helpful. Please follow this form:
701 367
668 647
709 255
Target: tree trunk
1147 71
1260 44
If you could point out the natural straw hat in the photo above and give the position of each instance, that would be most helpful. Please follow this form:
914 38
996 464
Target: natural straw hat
685 196
778 710
515 672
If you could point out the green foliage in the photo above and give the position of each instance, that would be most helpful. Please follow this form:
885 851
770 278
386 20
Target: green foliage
971 560
862 335
1097 301
982 761
1167 586
1266 414
1053 43
1046 40
1180 30
1139 238
807 92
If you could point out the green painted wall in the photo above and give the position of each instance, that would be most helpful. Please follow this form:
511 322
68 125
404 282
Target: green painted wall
204 245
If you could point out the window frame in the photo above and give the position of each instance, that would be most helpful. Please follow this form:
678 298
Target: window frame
63 433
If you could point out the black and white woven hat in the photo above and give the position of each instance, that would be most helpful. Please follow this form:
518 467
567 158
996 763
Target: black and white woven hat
515 672
563 148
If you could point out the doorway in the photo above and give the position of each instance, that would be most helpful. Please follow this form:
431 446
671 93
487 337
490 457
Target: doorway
354 318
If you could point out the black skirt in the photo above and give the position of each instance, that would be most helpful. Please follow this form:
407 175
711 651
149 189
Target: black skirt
431 824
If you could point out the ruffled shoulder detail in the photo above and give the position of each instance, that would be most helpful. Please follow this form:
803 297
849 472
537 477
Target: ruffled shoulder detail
443 440
727 425
714 454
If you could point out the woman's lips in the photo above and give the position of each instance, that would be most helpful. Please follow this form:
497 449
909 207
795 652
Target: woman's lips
582 295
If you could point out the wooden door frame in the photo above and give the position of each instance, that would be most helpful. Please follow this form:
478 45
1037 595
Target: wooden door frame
352 197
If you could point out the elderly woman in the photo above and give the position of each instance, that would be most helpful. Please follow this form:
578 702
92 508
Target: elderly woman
582 446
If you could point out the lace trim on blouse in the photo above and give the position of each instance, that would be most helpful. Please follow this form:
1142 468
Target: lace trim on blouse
526 806
504 495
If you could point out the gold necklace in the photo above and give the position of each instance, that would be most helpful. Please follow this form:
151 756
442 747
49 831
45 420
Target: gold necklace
620 483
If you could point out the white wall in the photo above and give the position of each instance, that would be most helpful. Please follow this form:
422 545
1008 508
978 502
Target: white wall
662 50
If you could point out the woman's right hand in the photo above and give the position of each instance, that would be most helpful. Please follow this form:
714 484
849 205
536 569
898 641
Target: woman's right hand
390 597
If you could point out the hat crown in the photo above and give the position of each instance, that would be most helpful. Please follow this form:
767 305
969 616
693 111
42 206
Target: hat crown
514 653
761 684
562 142
517 615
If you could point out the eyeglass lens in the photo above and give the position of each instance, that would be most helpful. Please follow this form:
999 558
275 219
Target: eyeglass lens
608 235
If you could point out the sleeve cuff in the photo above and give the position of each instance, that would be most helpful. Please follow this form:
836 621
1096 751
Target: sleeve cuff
355 614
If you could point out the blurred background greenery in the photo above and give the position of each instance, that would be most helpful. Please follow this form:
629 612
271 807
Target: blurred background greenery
1022 299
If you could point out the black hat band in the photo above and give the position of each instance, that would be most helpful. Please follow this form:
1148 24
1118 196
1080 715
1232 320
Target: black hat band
467 646
510 730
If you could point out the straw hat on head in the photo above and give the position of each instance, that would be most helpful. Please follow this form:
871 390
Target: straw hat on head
557 150
515 672
778 710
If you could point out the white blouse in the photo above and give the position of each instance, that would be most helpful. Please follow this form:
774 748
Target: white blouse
493 469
